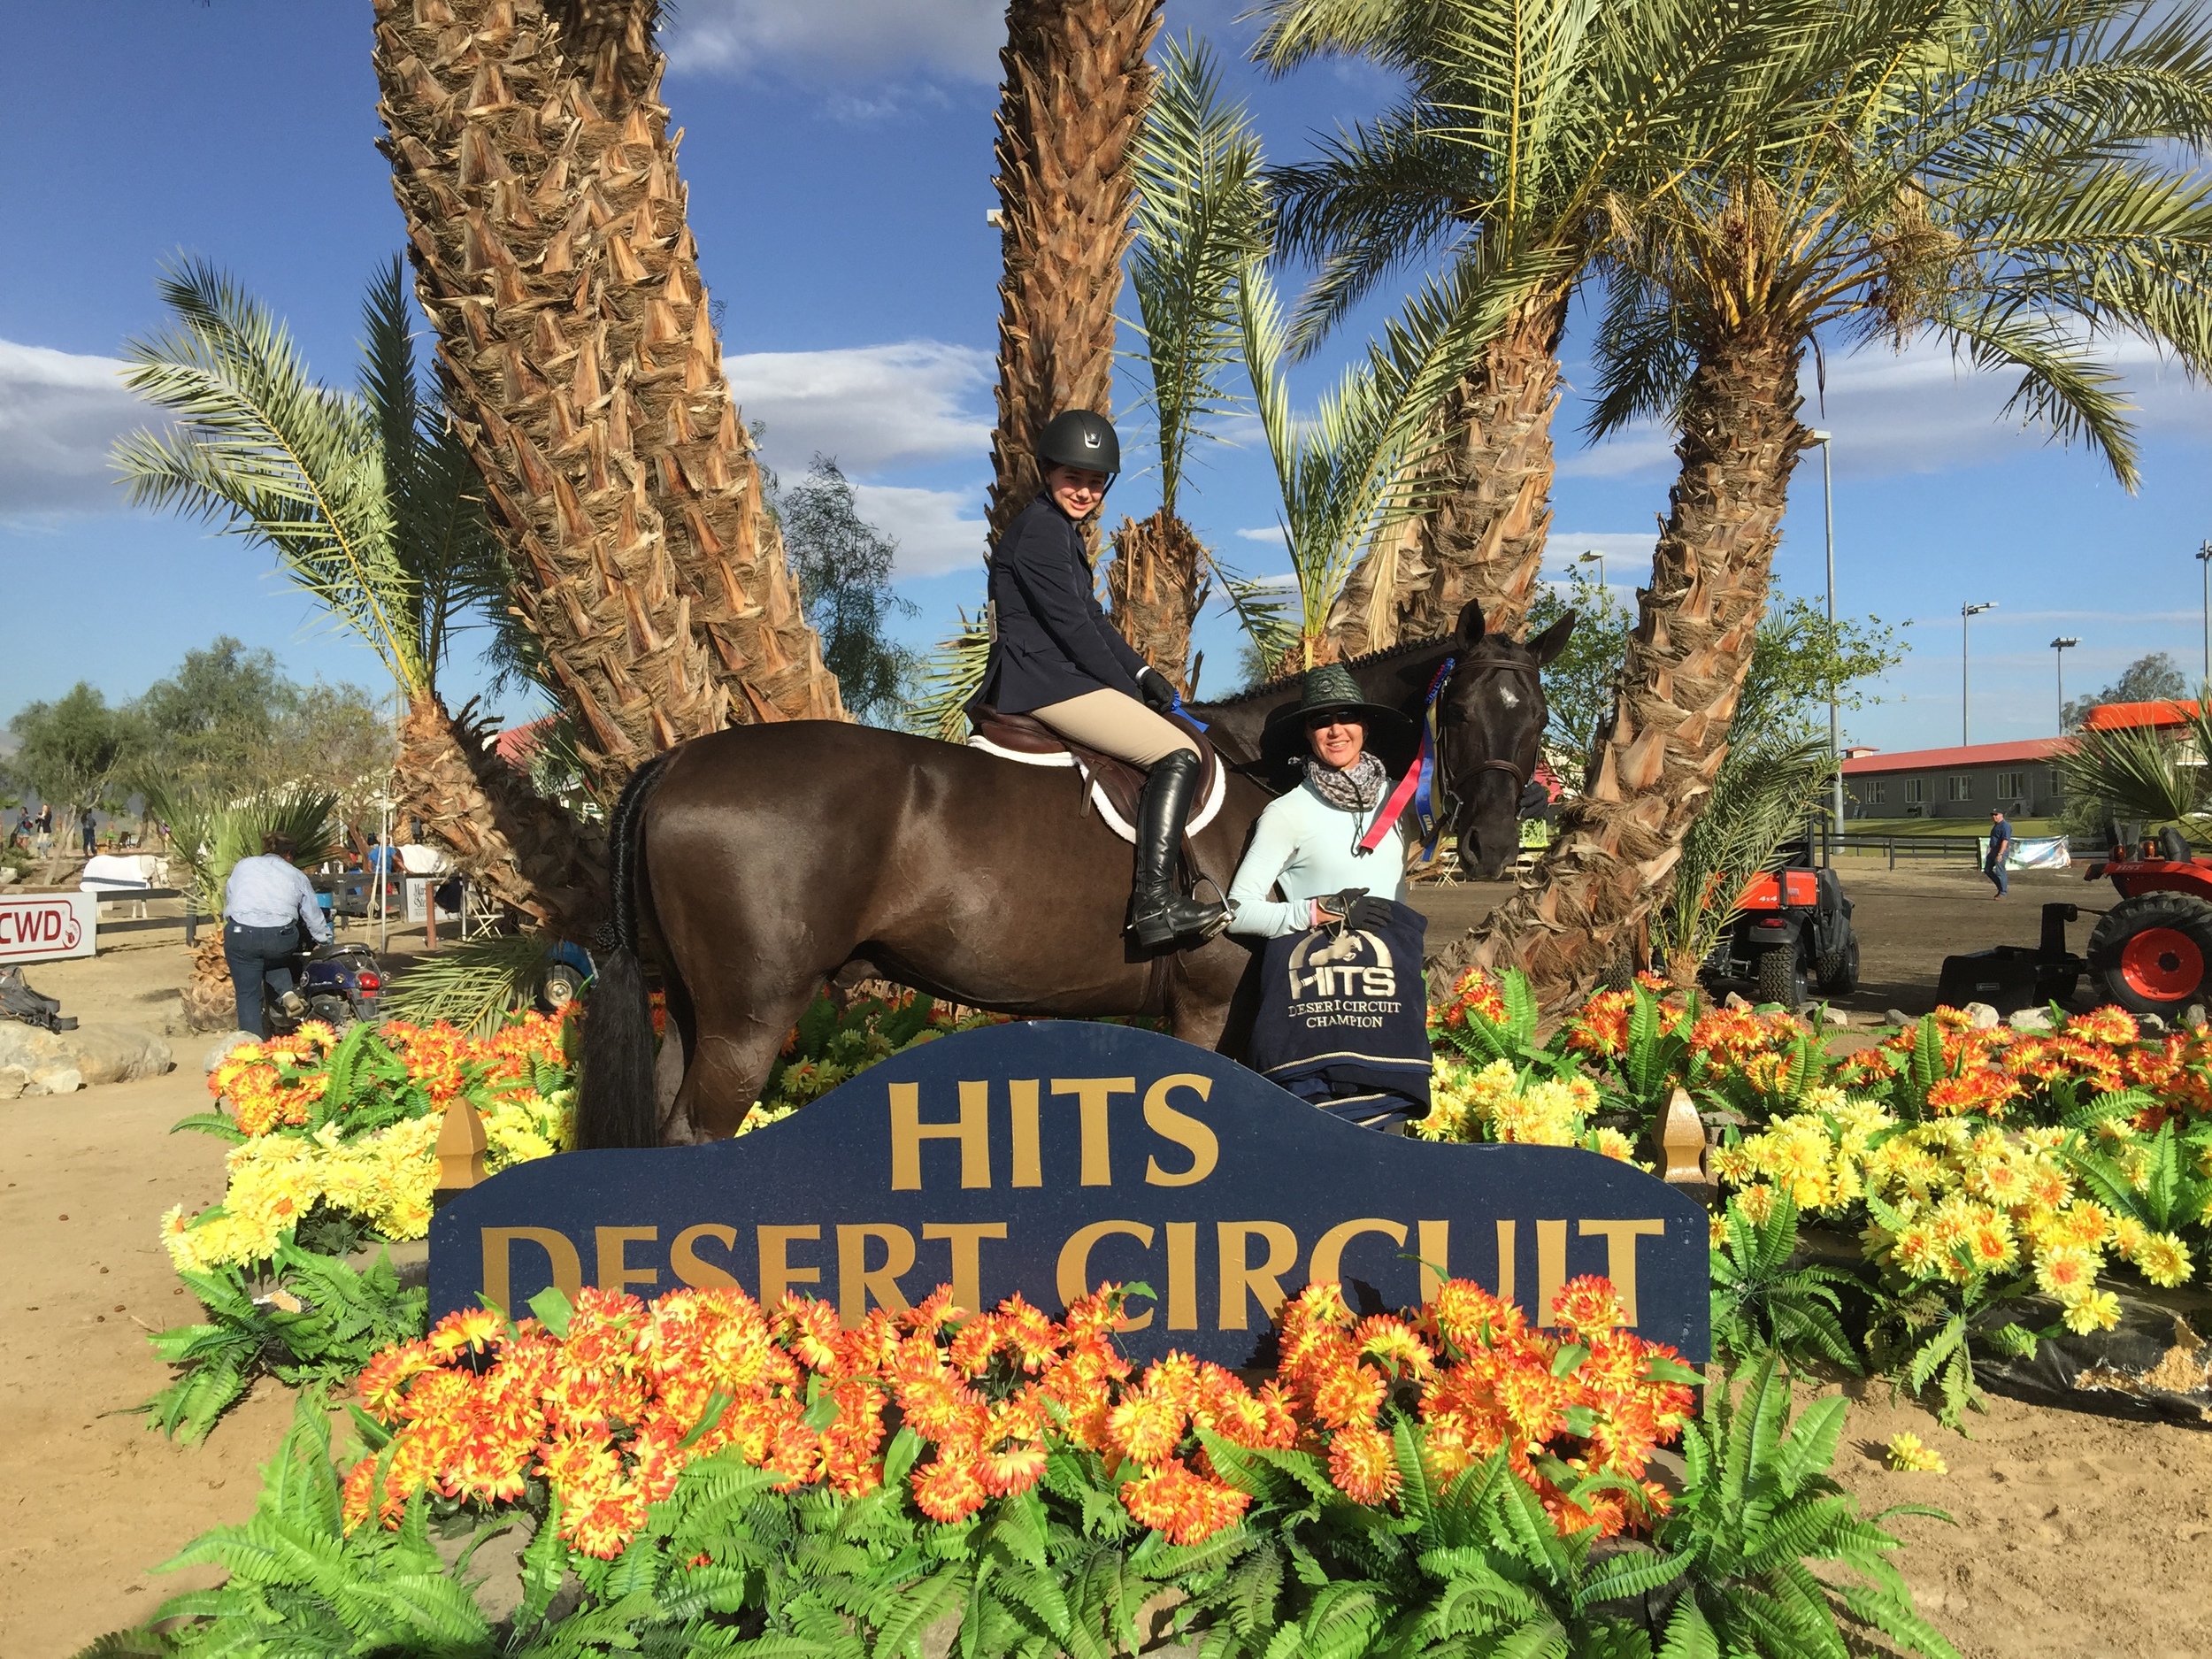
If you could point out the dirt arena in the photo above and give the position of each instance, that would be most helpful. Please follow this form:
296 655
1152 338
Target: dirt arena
2076 1535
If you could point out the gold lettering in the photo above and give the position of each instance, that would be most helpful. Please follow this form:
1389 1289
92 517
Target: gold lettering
1551 1269
908 1131
568 1270
1183 1129
616 1274
1093 1095
1506 1249
1620 1255
1434 1248
1182 1275
778 1273
683 1258
1238 1276
1021 1095
857 1283
967 1257
1074 1275
1328 1254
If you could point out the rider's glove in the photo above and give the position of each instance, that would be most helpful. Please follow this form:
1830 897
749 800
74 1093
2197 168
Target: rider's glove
1153 688
1337 907
1367 911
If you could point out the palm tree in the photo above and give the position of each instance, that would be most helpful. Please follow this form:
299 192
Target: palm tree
531 158
369 501
1075 89
2018 181
1522 127
1200 212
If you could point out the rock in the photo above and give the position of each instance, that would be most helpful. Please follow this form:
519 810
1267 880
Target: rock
1982 1014
2193 1016
88 1055
2032 1019
1835 1017
1896 1017
1735 999
216 1056
118 1054
2151 1024
13 1080
8 873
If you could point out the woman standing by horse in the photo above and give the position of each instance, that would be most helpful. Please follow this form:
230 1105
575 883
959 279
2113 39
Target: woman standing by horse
1054 658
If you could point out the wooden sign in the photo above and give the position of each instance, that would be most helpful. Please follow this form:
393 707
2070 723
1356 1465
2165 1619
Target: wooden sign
1048 1158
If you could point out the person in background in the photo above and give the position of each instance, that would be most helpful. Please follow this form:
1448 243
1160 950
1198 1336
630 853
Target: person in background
1999 844
91 834
266 901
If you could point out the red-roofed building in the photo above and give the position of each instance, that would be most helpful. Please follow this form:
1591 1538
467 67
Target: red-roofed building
1968 781
2162 715
517 745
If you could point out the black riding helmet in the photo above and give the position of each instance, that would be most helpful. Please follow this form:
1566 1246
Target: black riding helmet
1078 438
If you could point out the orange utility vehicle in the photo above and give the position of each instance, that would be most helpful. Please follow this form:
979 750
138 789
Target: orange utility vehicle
1791 934
2149 953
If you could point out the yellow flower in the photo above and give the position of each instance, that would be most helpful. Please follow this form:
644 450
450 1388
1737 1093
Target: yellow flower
2093 1310
2066 1269
1909 1452
2164 1260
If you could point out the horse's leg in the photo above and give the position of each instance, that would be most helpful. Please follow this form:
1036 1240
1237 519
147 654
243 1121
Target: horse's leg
1205 993
739 1039
680 1040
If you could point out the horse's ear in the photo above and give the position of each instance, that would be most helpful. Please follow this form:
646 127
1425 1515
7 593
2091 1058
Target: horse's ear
1552 641
1472 626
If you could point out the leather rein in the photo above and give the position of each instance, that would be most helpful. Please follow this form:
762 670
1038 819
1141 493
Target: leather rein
1500 664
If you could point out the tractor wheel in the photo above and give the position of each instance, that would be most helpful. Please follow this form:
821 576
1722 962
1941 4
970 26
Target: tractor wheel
1779 976
1839 969
2149 954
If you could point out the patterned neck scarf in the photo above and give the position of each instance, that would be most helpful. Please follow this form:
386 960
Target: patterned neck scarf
1358 788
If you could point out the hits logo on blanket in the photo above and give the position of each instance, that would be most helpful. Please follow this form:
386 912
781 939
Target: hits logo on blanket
1331 972
1343 1018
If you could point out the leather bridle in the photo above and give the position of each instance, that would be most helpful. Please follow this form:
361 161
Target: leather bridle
1485 665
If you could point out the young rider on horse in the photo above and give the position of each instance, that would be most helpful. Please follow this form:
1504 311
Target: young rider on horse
1055 656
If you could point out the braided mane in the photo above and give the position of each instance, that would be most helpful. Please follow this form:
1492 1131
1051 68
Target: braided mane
1405 648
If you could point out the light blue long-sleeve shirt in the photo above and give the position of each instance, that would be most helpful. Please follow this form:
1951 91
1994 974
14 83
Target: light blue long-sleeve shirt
1305 846
266 891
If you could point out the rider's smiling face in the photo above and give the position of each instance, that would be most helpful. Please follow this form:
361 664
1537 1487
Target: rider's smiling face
1337 739
1076 489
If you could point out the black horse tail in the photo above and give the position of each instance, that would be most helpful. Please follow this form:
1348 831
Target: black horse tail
615 1100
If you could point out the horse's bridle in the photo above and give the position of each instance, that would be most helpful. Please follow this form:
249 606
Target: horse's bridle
1483 664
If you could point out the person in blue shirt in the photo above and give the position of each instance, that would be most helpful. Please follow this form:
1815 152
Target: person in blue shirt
1999 844
266 901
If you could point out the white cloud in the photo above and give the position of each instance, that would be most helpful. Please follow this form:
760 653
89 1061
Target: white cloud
934 540
59 412
1923 411
866 407
1273 534
831 40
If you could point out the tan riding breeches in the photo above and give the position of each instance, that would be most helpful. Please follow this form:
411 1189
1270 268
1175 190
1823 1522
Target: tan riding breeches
1116 723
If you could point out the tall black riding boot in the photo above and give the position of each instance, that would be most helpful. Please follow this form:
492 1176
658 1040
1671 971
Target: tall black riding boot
1159 913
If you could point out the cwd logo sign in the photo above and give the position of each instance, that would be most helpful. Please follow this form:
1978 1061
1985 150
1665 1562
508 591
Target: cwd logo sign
46 927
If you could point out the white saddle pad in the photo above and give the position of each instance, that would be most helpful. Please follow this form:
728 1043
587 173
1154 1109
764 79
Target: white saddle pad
1216 790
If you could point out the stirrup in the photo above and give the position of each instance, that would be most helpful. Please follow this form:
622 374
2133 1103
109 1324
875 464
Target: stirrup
1177 920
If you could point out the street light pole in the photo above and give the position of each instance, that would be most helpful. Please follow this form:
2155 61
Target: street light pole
2204 558
2060 646
1835 726
1965 729
1598 558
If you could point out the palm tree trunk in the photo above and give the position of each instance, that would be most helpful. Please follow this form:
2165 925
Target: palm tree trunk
1483 536
529 852
531 158
1076 87
1575 920
1154 588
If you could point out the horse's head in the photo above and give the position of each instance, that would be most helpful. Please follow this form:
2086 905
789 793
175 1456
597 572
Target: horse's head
1490 726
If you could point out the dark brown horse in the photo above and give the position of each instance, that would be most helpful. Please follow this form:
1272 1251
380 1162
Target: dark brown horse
762 860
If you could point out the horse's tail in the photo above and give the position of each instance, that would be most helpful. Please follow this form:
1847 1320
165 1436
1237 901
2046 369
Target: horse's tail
615 1101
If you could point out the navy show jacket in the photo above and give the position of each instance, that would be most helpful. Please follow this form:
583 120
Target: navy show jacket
1053 642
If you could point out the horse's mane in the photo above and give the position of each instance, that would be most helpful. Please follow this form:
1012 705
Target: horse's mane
1281 682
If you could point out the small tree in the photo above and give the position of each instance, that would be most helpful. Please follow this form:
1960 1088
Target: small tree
843 566
2154 679
73 752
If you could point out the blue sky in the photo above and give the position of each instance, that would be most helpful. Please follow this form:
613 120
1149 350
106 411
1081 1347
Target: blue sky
838 154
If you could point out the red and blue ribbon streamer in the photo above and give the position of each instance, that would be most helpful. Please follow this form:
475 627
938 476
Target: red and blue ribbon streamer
1417 786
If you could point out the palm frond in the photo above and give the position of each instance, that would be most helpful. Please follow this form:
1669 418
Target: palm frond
2134 773
475 985
949 679
1761 797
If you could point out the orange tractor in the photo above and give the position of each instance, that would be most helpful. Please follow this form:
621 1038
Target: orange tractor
2149 953
1792 934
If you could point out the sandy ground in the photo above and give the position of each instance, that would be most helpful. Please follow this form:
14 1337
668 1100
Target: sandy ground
2076 1534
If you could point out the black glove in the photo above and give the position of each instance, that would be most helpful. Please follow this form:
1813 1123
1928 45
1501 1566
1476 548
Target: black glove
1153 688
1367 911
1339 907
